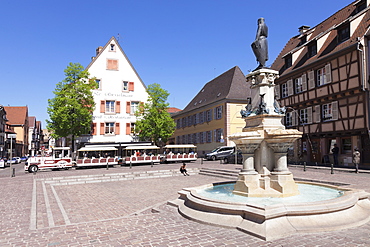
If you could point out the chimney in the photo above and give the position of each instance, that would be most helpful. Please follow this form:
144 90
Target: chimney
99 49
303 29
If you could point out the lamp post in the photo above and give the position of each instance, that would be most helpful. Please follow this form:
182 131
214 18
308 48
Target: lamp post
11 153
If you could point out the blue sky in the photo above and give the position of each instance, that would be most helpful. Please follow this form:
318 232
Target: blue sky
179 44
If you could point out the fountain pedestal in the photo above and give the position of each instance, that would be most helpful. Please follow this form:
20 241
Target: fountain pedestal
264 142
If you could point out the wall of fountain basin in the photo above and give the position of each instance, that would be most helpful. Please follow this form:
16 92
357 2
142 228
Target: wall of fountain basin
351 208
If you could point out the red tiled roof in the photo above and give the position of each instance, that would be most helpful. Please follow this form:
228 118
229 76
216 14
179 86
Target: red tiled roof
16 114
330 46
173 110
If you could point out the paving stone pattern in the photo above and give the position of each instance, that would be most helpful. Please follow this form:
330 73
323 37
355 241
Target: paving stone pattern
51 209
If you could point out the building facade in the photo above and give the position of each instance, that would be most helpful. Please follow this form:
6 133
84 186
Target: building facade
214 113
3 121
324 85
119 93
35 136
18 122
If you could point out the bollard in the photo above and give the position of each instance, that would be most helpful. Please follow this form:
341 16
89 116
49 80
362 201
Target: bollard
107 166
201 161
332 169
13 173
304 166
130 164
152 163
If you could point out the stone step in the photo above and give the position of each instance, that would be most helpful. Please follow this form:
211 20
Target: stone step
223 173
116 176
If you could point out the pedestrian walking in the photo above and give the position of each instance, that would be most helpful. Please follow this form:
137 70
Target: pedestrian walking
356 158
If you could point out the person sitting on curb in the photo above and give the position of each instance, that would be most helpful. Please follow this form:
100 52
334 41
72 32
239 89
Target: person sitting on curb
183 169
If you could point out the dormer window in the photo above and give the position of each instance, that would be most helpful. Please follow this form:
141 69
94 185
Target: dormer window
343 33
312 49
360 5
288 61
303 40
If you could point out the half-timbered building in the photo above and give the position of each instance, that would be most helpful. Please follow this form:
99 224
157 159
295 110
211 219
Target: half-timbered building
324 83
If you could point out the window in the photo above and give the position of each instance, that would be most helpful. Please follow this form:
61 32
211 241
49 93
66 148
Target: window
132 128
218 134
298 85
208 115
109 128
288 119
112 47
178 124
303 116
343 33
201 117
98 83
288 61
134 107
346 145
312 49
112 64
284 90
209 136
125 86
330 111
202 137
109 106
218 112
323 75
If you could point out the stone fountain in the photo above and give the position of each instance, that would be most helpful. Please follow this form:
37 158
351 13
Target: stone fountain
264 142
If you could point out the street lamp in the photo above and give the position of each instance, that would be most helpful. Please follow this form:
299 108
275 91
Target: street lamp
11 152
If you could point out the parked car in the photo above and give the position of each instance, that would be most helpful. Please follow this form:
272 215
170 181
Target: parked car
12 161
230 159
18 159
219 153
24 158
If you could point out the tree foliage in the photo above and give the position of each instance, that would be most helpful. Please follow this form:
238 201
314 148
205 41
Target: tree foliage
154 122
70 111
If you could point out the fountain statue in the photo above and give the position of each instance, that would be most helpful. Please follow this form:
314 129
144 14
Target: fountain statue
264 142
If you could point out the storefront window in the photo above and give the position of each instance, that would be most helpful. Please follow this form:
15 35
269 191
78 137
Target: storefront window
346 145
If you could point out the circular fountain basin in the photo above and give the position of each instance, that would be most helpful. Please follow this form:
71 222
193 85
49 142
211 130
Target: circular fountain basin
307 193
319 207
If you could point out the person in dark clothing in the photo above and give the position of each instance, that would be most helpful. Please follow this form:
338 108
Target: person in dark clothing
183 169
335 151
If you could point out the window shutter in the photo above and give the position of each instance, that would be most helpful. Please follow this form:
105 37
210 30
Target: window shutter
128 107
277 91
328 73
102 106
311 79
117 129
102 129
290 87
215 112
304 82
309 115
131 86
94 130
334 108
112 64
317 116
128 128
221 111
118 106
294 118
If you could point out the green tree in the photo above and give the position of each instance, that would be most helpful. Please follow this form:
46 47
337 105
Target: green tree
70 111
154 122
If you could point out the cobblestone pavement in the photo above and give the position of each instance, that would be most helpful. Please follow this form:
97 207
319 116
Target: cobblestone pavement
38 211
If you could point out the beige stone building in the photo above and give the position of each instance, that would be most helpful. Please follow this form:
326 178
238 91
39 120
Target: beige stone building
214 113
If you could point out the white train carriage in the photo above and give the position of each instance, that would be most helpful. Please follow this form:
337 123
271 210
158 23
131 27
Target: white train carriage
141 154
180 153
90 156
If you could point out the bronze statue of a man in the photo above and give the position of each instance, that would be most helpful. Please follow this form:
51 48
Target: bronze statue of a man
259 46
